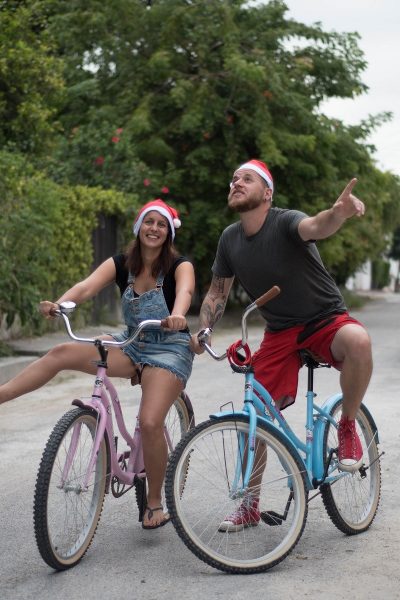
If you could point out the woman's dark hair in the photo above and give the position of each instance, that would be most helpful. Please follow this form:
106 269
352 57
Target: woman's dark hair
167 257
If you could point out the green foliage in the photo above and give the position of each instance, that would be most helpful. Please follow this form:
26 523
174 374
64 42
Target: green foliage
353 300
46 241
200 87
31 84
191 90
97 154
380 273
395 246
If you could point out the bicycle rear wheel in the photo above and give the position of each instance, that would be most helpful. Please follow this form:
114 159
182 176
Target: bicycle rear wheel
179 420
352 500
66 514
217 450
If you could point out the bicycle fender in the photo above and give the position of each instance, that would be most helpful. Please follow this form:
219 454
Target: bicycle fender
189 407
318 443
320 425
226 413
260 421
83 403
371 421
270 427
329 402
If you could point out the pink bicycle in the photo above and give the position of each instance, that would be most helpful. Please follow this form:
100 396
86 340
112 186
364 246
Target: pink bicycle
82 462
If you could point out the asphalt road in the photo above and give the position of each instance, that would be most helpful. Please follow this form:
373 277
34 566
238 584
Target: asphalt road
126 562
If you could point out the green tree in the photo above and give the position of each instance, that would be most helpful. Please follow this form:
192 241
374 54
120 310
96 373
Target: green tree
199 87
31 83
46 236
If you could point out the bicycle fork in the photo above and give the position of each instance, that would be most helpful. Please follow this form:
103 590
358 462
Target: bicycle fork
246 448
76 432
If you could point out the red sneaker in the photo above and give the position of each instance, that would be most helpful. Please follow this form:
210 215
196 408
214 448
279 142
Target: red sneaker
247 515
350 449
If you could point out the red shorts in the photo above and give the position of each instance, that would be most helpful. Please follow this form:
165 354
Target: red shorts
277 362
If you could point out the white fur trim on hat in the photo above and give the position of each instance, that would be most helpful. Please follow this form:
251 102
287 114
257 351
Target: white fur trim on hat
174 222
266 176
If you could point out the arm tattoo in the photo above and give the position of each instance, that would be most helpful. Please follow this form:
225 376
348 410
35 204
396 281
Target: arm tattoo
214 303
216 288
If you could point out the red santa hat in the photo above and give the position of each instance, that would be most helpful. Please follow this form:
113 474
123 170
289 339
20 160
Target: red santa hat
261 168
171 214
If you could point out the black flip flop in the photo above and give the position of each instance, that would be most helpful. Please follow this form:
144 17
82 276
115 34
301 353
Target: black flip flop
150 516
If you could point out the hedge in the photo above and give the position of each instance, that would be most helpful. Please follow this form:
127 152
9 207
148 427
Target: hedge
46 236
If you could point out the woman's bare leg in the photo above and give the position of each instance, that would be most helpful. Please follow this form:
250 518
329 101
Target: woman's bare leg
159 391
69 356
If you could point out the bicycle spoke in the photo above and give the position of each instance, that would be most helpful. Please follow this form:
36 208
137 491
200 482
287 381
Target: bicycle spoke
66 513
208 498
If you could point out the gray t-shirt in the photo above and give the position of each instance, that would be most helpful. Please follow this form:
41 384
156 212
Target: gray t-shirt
276 255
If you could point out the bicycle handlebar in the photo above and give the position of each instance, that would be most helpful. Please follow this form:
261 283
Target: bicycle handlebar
206 333
67 308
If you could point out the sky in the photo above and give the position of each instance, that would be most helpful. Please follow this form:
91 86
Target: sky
378 24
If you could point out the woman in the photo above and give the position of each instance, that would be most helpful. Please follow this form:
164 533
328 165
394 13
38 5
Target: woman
155 283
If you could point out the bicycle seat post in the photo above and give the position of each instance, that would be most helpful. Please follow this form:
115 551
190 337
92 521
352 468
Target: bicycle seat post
103 351
310 378
311 363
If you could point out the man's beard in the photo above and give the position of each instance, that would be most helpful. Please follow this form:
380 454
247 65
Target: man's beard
249 204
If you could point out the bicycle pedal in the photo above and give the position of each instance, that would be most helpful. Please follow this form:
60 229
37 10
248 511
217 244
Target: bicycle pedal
270 517
363 472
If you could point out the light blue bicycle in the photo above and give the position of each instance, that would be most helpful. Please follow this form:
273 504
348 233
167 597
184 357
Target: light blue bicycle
238 457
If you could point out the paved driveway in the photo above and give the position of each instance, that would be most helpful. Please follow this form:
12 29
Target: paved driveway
127 562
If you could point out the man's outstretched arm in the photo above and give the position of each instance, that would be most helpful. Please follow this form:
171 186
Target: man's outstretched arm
327 222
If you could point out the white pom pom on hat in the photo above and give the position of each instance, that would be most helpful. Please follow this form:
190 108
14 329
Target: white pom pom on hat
170 213
261 168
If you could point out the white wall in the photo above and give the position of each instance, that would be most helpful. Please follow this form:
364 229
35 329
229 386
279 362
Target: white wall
362 278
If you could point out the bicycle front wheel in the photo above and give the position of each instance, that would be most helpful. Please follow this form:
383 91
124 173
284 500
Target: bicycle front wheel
352 500
213 490
66 513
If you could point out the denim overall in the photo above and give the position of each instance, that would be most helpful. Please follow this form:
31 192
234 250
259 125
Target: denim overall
155 347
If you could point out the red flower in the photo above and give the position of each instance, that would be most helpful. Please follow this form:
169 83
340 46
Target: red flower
119 130
146 182
115 139
269 95
165 190
99 161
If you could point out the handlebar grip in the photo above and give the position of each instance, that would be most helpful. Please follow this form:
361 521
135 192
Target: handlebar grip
274 291
203 336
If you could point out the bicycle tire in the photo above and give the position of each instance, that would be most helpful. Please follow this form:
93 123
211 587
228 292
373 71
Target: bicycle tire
198 511
352 501
179 419
65 515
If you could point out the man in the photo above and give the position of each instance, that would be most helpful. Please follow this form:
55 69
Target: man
272 246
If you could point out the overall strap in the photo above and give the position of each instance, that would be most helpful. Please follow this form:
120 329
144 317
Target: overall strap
160 280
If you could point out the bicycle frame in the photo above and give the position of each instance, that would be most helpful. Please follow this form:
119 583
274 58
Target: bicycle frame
260 407
104 401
